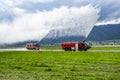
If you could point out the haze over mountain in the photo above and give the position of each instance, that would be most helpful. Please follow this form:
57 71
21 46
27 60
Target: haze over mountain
100 33
26 20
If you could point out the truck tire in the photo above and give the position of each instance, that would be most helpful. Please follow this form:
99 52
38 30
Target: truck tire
37 48
85 49
66 49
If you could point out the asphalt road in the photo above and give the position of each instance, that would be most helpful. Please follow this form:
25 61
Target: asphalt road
24 49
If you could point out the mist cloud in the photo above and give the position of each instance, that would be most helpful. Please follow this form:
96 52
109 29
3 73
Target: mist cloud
35 26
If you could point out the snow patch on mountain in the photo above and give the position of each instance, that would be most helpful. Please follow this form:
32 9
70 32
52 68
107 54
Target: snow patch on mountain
116 21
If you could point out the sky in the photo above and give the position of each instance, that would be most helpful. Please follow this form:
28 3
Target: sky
10 9
22 20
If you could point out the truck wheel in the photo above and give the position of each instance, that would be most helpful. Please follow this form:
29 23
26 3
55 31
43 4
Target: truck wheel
85 49
37 48
70 49
79 49
74 50
65 49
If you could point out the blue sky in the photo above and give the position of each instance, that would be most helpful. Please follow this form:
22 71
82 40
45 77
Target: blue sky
9 9
22 20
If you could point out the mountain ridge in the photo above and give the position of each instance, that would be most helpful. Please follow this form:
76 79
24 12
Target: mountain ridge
98 34
102 34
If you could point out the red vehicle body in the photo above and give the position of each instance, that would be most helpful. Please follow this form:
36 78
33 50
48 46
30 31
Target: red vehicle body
32 46
73 46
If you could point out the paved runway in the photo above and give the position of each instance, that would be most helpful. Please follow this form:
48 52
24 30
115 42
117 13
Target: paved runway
24 49
13 49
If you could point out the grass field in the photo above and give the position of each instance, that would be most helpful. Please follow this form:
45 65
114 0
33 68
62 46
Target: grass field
105 48
92 48
33 65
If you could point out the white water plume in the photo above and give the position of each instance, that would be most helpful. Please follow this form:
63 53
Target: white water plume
35 26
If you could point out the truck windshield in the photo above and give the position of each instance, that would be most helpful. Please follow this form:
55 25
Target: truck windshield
87 44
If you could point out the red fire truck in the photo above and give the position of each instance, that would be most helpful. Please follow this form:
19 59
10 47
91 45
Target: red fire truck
32 46
74 46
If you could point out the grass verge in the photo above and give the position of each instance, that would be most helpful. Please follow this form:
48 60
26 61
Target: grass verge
32 65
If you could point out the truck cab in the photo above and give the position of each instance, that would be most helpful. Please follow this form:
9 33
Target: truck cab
32 46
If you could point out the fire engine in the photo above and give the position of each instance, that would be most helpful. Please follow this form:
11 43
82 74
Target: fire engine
74 46
32 46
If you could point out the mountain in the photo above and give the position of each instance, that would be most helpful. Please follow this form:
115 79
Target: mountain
105 32
99 33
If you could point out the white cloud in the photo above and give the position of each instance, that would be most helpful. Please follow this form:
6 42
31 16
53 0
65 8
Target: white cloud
8 9
43 1
34 26
19 11
116 21
12 3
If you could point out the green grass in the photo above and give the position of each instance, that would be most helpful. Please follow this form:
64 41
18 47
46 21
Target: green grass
105 48
51 47
92 48
32 65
